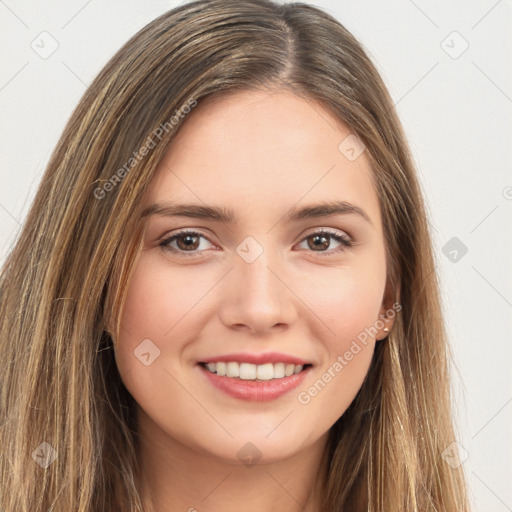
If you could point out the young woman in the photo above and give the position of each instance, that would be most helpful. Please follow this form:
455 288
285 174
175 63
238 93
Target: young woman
224 294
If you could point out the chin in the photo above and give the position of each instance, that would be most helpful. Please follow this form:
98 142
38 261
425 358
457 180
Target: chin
256 447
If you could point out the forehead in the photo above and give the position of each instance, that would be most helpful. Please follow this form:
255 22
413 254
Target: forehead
263 153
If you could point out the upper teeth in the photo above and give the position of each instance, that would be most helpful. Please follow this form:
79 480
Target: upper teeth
249 371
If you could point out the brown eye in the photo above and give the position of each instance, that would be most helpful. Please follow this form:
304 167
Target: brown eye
321 240
186 242
318 242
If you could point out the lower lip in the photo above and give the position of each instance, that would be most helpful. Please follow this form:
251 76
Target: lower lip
254 390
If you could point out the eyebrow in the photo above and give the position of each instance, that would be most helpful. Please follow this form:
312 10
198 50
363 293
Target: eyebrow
227 216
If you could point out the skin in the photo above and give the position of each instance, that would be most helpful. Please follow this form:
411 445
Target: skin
260 154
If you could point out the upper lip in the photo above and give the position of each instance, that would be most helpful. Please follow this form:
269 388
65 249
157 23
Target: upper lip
258 359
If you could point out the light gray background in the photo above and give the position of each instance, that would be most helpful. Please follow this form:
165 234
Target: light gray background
456 108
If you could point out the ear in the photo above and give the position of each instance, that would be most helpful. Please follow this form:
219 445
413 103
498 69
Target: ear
388 310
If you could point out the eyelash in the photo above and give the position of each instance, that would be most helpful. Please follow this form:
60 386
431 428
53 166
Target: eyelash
346 242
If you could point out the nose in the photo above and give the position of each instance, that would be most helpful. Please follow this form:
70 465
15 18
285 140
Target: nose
256 297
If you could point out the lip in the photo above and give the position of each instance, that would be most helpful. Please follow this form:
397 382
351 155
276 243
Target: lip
252 390
266 357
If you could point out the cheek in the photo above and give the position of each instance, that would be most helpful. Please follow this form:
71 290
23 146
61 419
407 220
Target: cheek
158 307
349 305
347 299
159 298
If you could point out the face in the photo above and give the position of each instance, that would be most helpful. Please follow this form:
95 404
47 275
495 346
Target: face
264 285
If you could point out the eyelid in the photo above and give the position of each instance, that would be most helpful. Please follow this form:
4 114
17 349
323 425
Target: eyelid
329 231
342 237
167 238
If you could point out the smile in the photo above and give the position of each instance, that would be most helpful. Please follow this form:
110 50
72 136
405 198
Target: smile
248 371
252 382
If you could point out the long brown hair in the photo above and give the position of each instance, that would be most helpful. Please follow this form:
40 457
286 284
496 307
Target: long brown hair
66 276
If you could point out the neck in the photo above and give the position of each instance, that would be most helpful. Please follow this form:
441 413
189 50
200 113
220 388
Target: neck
178 478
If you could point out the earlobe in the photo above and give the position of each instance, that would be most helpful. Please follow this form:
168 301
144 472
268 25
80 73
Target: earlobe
390 306
384 324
